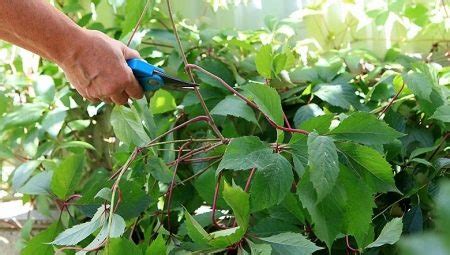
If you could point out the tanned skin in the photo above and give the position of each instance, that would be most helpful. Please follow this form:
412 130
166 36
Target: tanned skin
94 63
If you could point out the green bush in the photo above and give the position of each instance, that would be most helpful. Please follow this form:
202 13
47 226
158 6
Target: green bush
286 148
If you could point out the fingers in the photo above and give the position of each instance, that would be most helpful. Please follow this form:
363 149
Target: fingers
130 53
121 98
133 89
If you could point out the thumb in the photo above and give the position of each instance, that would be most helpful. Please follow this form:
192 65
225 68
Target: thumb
130 53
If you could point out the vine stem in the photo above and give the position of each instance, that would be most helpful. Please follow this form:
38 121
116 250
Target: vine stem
391 102
191 76
349 247
214 205
172 184
250 103
198 173
138 24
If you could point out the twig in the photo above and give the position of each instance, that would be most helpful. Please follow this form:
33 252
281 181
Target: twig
249 179
250 103
191 76
172 185
198 173
196 119
286 121
138 24
392 101
203 149
439 146
214 205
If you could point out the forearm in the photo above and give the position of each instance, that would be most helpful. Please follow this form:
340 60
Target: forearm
39 27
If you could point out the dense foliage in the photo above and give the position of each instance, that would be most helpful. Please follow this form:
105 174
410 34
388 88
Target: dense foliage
287 148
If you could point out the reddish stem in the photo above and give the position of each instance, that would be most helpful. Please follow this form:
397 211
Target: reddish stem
249 179
250 103
349 247
172 185
193 120
191 76
214 205
286 121
392 101
192 153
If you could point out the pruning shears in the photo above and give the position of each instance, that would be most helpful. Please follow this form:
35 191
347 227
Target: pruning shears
152 78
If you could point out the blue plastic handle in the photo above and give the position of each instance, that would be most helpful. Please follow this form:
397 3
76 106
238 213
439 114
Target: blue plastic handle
146 75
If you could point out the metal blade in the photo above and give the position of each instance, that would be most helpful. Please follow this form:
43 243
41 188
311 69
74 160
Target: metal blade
176 84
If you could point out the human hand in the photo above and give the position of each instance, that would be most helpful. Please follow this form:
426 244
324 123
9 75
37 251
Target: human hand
96 66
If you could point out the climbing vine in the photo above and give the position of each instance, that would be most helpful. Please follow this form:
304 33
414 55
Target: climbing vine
283 148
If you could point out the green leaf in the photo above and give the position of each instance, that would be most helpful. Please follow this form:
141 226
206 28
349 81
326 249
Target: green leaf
328 215
271 183
259 249
120 246
45 88
244 153
67 175
320 124
158 246
79 232
263 61
217 68
117 226
342 95
365 128
299 152
53 121
371 165
442 113
39 243
77 144
23 115
390 233
291 244
133 10
306 112
195 230
267 99
104 193
226 237
162 101
38 184
134 199
420 84
117 229
234 106
359 205
159 169
23 173
4 104
323 163
128 127
238 200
